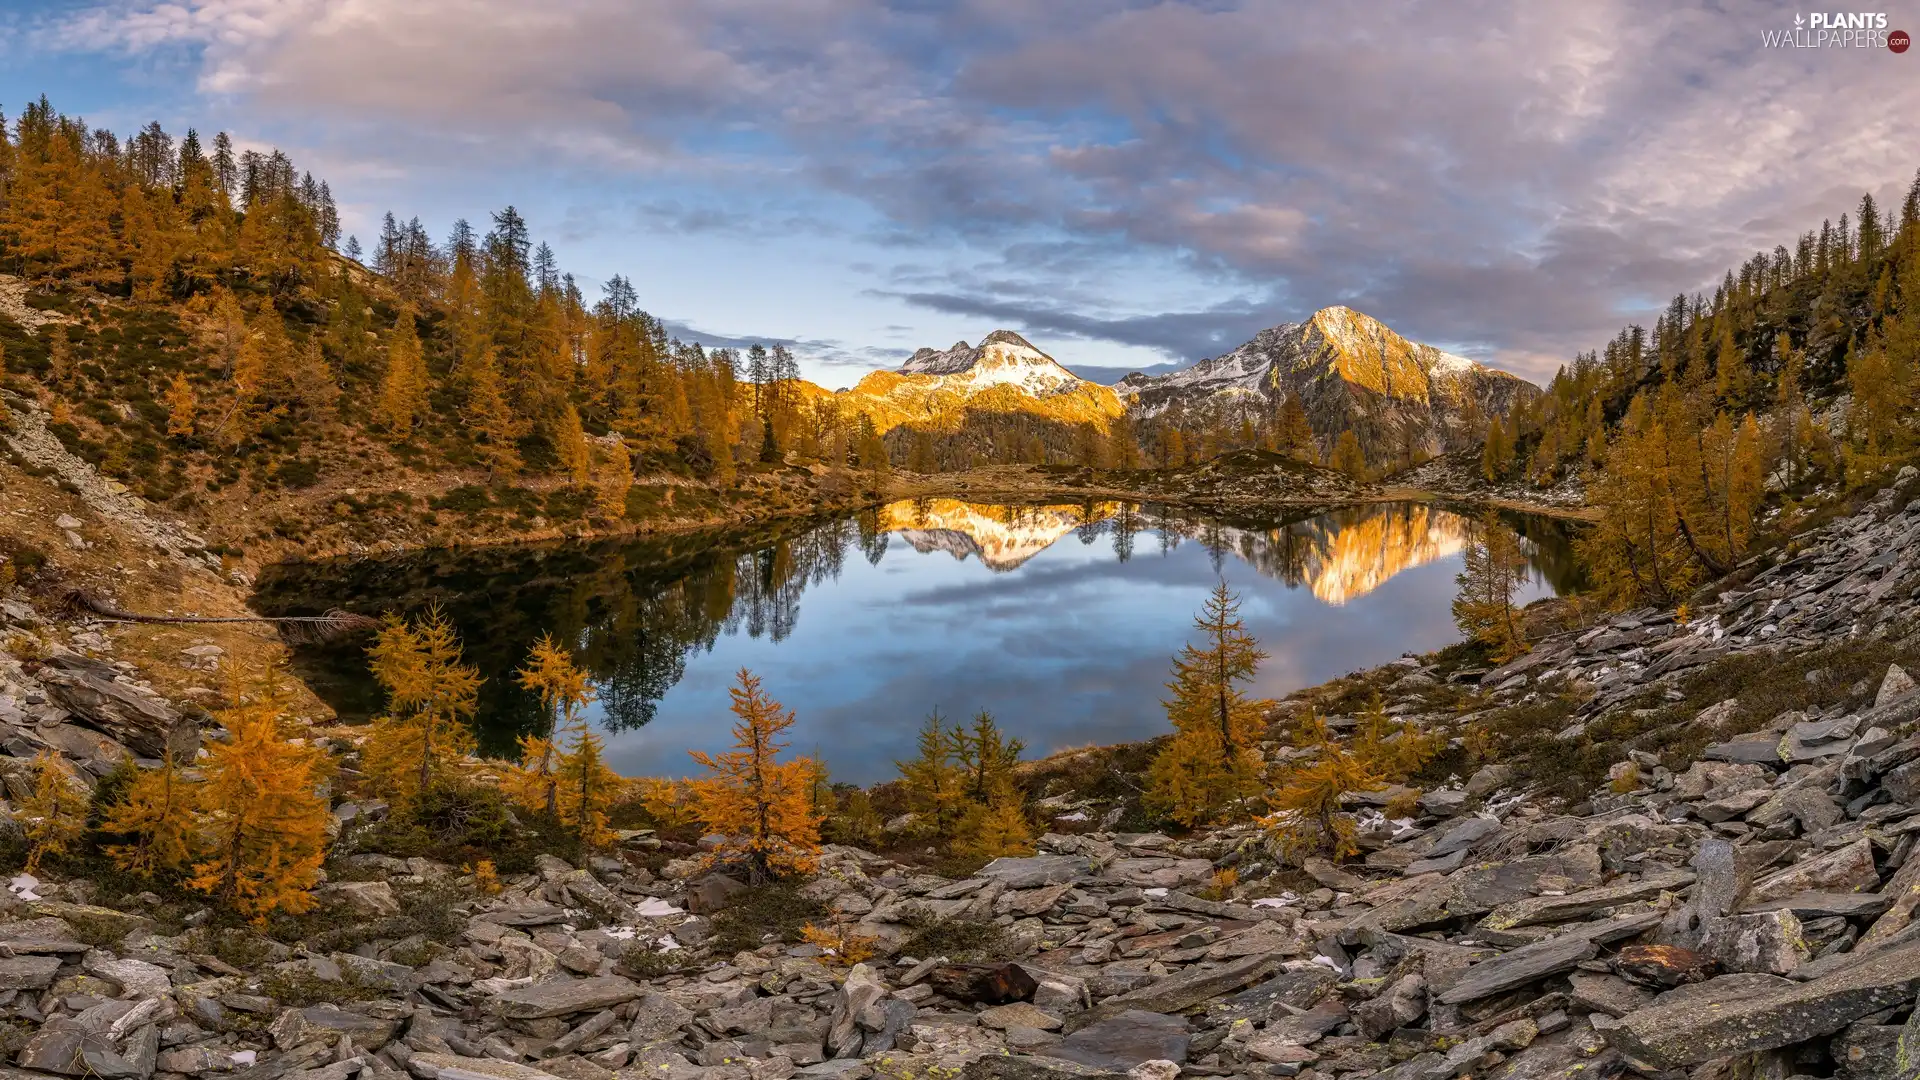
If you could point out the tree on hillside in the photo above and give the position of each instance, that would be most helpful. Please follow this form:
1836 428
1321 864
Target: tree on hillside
760 804
1293 432
1211 768
1348 457
403 387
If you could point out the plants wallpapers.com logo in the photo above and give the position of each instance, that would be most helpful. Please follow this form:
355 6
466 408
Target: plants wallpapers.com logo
1838 30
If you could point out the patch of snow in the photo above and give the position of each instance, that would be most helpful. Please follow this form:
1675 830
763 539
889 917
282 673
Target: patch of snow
1077 815
655 908
23 887
245 1057
1276 901
1155 893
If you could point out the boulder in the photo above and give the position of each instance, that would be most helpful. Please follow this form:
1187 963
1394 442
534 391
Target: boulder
1124 1040
565 997
1705 1026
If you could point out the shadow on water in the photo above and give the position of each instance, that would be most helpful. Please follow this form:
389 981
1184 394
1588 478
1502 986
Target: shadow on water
1092 578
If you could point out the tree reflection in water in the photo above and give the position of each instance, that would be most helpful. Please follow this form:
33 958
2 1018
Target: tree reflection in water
637 610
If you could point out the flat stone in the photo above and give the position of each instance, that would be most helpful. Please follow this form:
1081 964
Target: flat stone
1608 994
1019 1014
1820 905
1755 751
1848 869
27 972
1178 993
1553 909
1700 1028
564 997
1035 871
135 978
1524 965
455 1067
1124 1040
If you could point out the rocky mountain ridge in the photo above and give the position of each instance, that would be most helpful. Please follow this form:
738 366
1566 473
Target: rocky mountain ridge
1349 370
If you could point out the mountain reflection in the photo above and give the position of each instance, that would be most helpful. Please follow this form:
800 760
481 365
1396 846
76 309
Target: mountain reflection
638 610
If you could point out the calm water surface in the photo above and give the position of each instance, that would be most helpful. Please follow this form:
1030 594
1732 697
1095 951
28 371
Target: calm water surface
1060 620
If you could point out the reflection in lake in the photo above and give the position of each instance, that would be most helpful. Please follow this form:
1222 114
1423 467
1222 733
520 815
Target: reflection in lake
1060 619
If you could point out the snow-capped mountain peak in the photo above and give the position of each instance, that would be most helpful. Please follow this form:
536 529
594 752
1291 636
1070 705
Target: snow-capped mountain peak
1002 358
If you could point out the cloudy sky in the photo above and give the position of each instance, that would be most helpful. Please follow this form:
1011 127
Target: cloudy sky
1128 183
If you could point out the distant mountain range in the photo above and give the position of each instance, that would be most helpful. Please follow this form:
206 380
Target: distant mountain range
1349 371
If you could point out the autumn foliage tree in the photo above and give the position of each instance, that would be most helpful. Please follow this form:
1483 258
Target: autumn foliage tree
423 738
54 815
1495 568
261 821
761 806
1211 768
1307 796
569 780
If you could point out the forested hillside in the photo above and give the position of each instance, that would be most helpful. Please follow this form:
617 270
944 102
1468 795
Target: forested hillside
1739 412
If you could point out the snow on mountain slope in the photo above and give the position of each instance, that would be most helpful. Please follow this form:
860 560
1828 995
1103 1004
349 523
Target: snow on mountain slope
1004 373
1349 371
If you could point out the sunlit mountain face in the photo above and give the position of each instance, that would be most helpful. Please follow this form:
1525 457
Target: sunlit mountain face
1058 618
1001 537
1339 556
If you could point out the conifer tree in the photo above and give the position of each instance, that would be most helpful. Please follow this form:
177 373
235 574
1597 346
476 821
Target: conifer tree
1496 454
183 406
489 416
262 827
563 690
403 387
1306 797
1348 457
1495 568
759 803
159 813
588 788
55 814
423 738
986 756
1880 381
614 481
998 826
1211 768
1293 436
935 782
576 457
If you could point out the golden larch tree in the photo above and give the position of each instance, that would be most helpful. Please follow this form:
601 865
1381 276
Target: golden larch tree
159 813
935 782
263 822
403 386
1307 794
759 804
562 686
183 406
1494 568
55 814
1211 769
614 481
423 738
1348 457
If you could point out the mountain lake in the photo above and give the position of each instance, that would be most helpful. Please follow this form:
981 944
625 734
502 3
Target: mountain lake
1061 619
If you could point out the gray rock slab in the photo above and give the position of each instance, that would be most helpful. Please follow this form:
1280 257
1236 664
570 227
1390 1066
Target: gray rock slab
561 998
1124 1040
1701 1027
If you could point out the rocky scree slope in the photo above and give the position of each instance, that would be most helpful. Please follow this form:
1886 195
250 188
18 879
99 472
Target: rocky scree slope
1749 914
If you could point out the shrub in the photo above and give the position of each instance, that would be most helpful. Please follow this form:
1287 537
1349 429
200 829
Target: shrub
776 910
